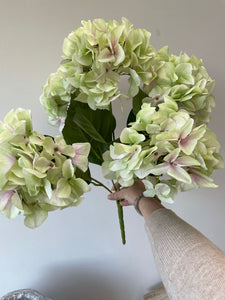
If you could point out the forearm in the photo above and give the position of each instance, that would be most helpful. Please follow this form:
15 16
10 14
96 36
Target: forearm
148 205
190 265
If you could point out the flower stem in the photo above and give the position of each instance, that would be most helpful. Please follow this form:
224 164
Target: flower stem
99 183
120 215
119 207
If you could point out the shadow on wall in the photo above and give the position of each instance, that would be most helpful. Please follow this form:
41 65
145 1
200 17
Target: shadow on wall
87 280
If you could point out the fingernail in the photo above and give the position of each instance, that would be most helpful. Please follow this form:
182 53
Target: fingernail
109 196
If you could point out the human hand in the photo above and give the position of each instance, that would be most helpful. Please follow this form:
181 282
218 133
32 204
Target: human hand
128 195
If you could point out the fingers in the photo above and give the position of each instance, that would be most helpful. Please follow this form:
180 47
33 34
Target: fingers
124 203
116 196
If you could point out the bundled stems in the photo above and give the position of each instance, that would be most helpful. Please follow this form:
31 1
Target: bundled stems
119 207
120 215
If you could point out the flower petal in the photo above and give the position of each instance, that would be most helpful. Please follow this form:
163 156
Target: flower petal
179 174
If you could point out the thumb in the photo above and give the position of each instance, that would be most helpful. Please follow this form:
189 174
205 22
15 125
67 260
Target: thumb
115 196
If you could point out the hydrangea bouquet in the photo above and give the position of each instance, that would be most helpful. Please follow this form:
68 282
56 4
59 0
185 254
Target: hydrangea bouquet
166 143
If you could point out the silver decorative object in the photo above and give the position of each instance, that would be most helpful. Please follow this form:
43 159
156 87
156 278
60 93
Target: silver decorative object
26 294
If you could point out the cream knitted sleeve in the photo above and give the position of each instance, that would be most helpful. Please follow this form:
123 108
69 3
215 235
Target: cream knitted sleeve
191 267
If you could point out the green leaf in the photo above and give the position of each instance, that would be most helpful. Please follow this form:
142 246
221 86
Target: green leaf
131 117
137 101
84 175
86 125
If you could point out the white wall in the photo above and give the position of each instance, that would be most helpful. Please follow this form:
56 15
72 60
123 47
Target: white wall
77 253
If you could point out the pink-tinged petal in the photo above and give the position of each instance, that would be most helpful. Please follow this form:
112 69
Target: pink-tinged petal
81 148
5 196
116 34
160 169
202 180
188 144
106 56
6 162
179 174
119 54
81 162
198 132
81 155
186 129
60 122
187 161
172 156
6 206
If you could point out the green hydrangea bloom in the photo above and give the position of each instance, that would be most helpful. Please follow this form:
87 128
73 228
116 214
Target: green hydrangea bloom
56 98
184 79
38 172
96 55
164 142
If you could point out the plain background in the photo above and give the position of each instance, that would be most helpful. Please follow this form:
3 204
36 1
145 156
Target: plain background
77 253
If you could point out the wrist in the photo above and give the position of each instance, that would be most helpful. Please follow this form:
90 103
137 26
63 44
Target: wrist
147 205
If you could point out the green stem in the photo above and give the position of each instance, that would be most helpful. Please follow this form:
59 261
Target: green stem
120 215
99 183
119 207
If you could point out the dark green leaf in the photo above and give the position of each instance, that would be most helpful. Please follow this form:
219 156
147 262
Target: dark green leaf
137 101
84 175
86 125
131 117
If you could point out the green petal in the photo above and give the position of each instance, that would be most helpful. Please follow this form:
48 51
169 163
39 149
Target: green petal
172 156
68 169
79 186
69 151
53 175
48 188
166 74
179 174
49 145
6 205
187 161
134 84
17 202
35 173
35 219
162 189
188 145
42 164
149 193
131 136
63 189
184 73
160 169
186 129
6 162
